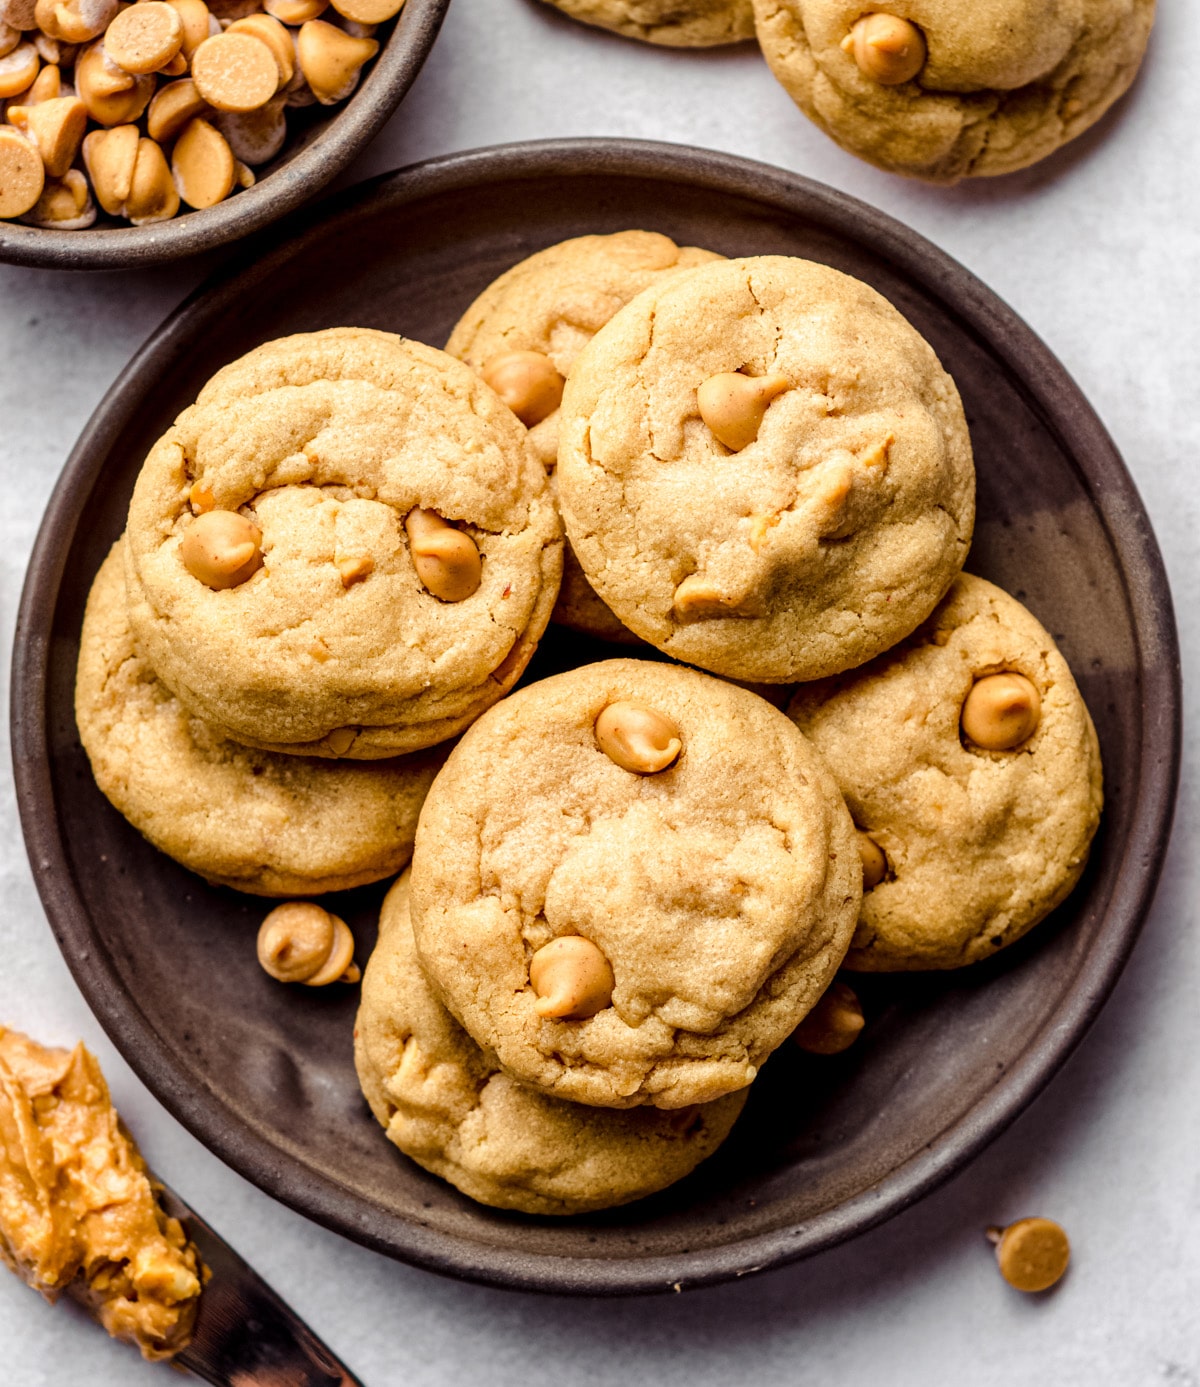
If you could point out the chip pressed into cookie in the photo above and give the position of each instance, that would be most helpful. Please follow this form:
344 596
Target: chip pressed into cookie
550 305
257 821
765 471
401 551
671 23
992 85
631 882
969 842
444 1102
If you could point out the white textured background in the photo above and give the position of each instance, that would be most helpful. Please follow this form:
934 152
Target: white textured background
1100 251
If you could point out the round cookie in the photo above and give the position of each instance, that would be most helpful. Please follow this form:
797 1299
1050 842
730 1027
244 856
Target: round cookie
331 443
979 844
672 23
816 544
1004 83
721 890
444 1102
267 824
554 302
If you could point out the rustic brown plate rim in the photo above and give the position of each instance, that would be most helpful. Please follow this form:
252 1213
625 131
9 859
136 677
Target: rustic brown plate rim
1068 414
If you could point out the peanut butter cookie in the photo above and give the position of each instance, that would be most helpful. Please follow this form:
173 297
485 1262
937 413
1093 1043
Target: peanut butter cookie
631 882
672 23
942 90
260 822
764 470
523 334
343 548
445 1102
972 770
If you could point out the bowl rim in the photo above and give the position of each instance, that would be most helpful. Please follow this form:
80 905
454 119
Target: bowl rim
1067 413
351 128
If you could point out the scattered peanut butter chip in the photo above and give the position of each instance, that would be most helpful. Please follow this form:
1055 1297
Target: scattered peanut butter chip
295 12
638 738
1001 712
301 942
56 128
527 382
888 49
572 978
222 549
144 37
447 561
194 16
834 1024
874 861
46 86
368 11
22 176
18 69
153 196
1033 1253
65 204
275 36
733 405
331 59
75 21
202 164
112 96
354 568
235 72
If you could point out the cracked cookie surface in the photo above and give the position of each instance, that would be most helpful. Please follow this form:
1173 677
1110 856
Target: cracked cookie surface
980 845
554 302
1005 82
824 541
327 441
722 890
257 821
446 1103
672 23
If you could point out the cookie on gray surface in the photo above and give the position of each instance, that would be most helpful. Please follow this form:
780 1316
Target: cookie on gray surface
671 23
942 90
445 1103
402 553
631 882
259 822
968 758
764 470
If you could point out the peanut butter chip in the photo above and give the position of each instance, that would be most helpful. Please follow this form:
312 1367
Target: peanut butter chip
46 86
638 738
173 106
301 942
368 11
447 560
221 548
144 37
275 36
22 176
888 49
152 195
18 69
355 569
733 405
194 16
202 164
1001 712
874 862
331 59
341 739
834 1024
235 72
527 382
572 978
295 12
698 599
65 204
201 498
56 129
1033 1253
75 21
111 95
110 157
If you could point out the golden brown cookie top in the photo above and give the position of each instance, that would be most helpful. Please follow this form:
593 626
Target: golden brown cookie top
258 821
968 757
445 1103
834 514
669 23
365 470
679 827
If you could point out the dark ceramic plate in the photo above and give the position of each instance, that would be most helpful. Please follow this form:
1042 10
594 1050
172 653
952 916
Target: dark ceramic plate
827 1148
321 141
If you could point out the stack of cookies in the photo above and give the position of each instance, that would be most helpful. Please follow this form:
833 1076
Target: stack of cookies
933 89
632 881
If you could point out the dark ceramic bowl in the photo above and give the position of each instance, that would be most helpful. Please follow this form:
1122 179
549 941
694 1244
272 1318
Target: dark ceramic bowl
321 141
827 1147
